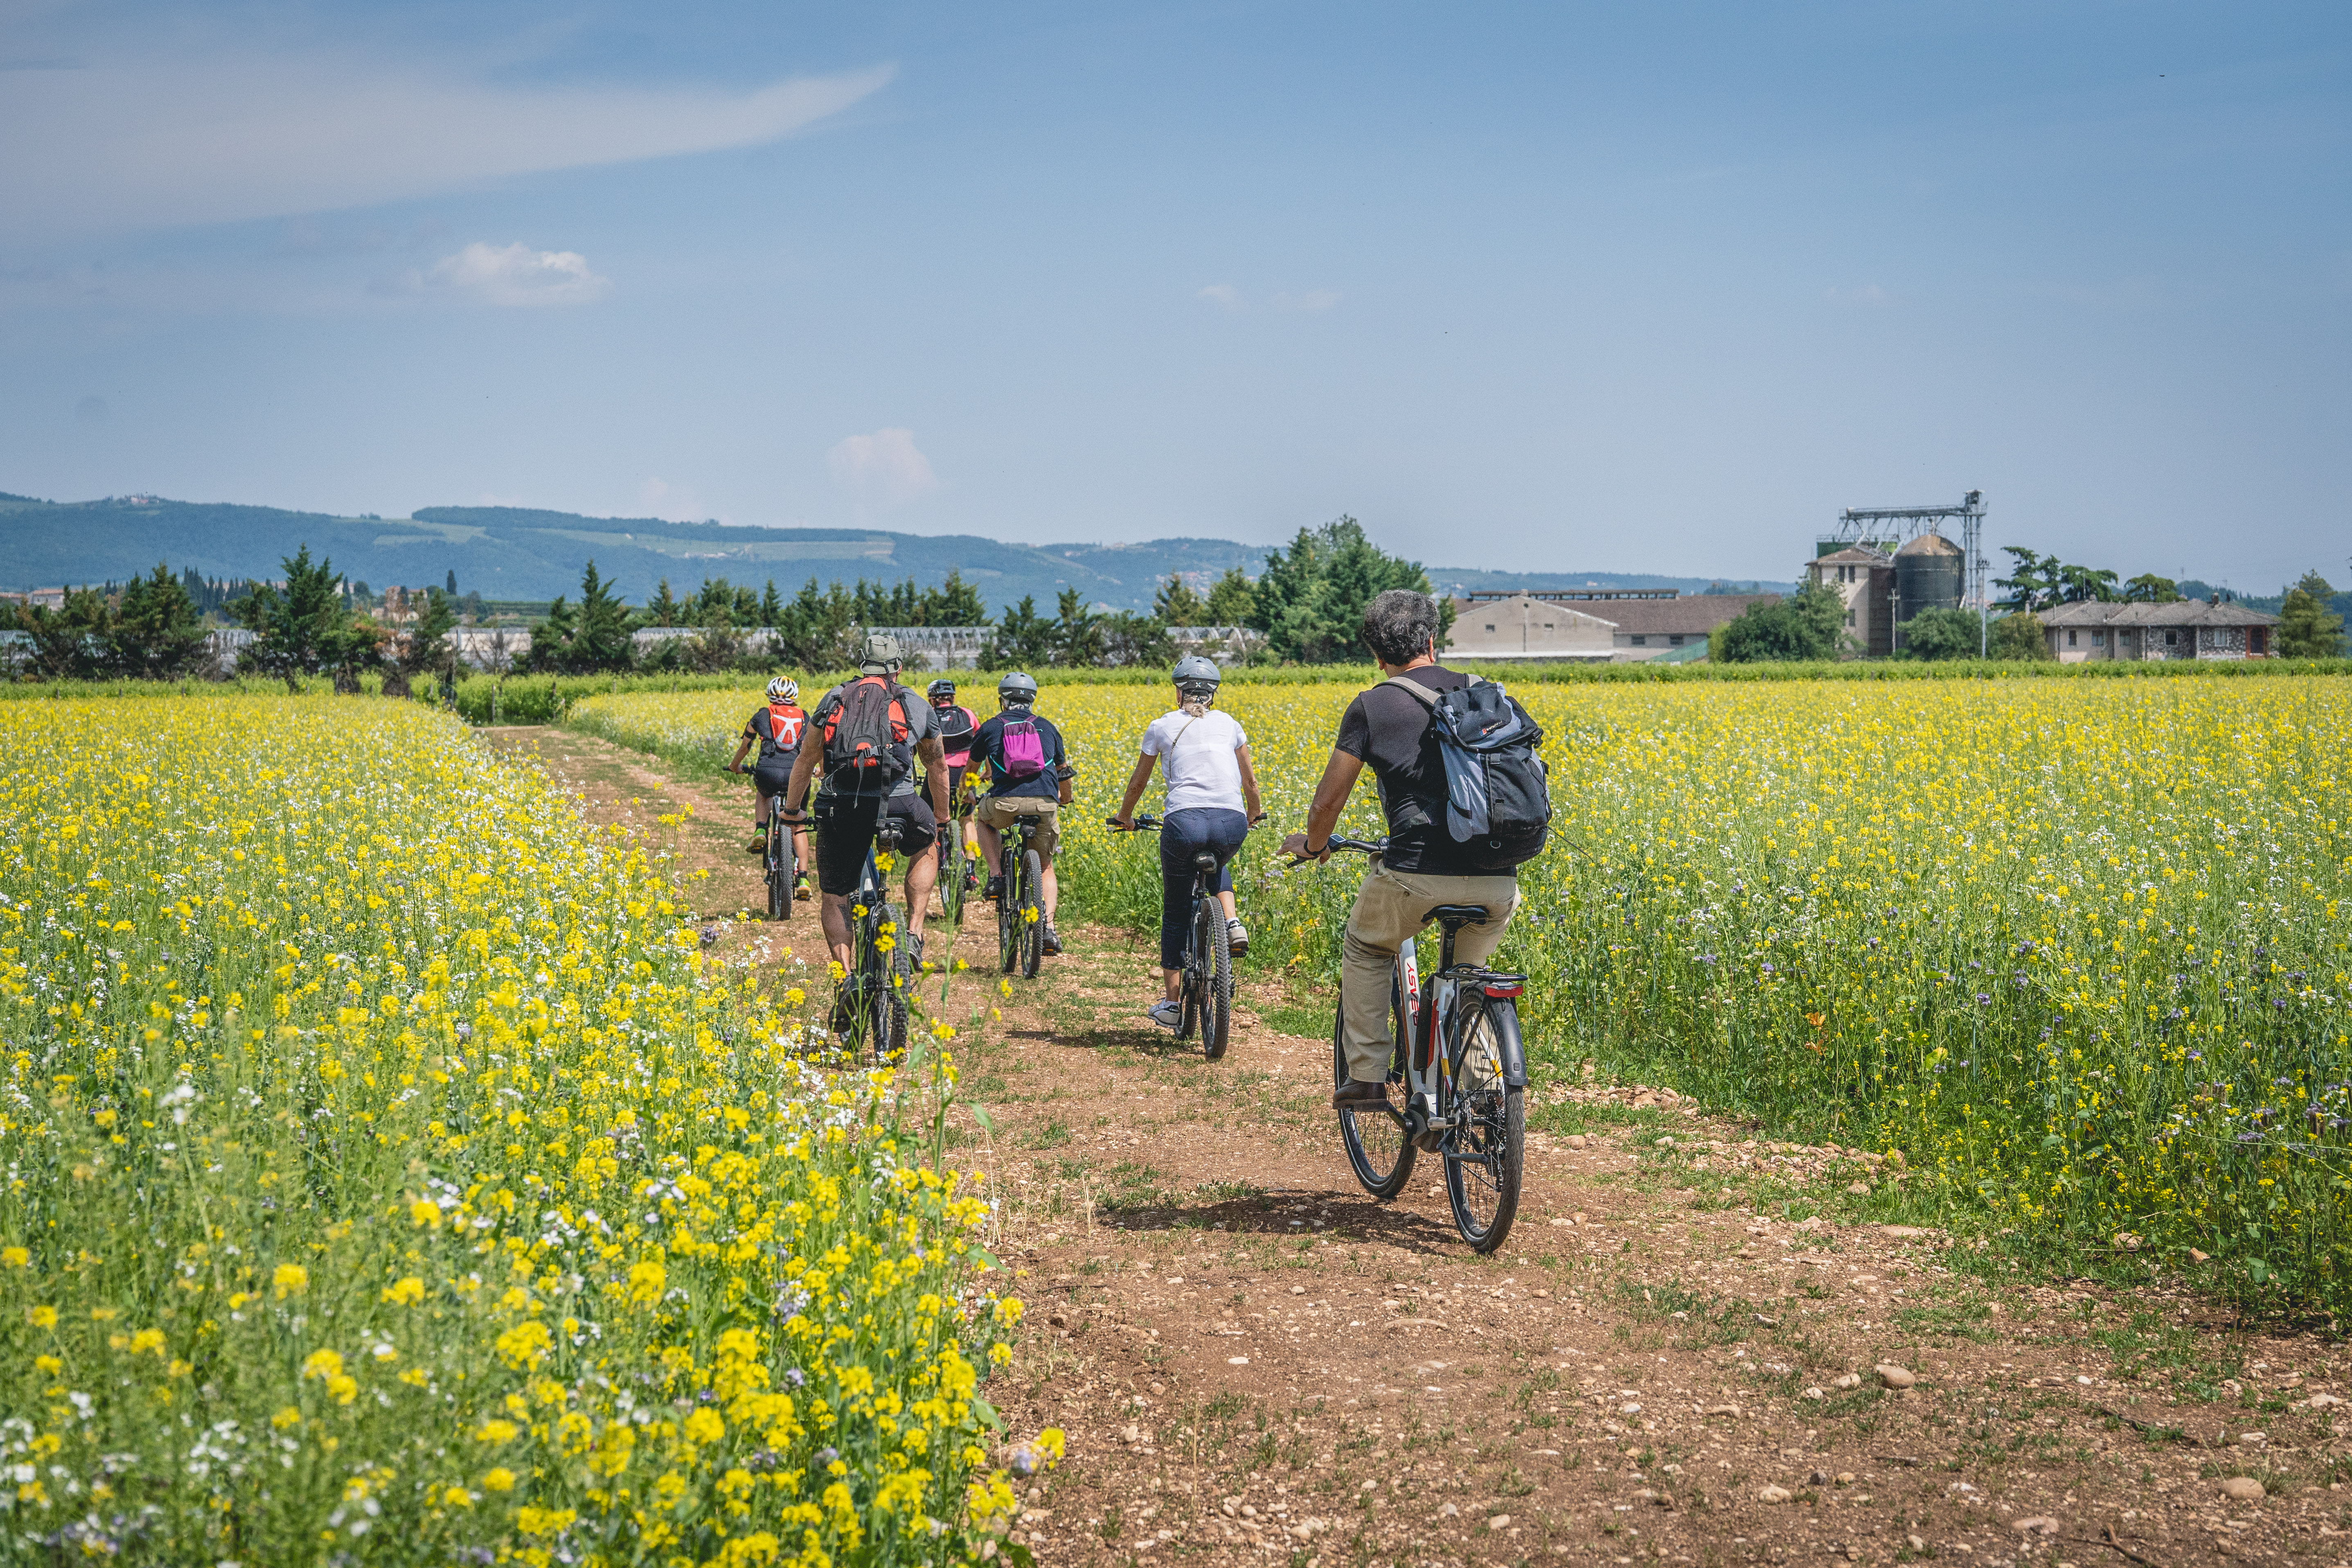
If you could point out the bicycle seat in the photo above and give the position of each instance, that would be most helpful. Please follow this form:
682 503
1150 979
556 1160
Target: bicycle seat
1454 916
1205 861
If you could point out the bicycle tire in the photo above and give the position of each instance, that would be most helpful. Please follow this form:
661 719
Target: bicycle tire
888 1003
1486 1150
779 873
1008 914
1217 974
1378 1149
1033 932
952 872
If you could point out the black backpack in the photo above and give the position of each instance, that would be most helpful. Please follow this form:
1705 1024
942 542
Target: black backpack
1498 798
865 738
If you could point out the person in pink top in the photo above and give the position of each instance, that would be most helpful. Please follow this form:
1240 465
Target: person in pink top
956 724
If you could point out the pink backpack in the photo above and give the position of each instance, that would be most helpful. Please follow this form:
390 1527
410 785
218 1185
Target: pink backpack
1025 751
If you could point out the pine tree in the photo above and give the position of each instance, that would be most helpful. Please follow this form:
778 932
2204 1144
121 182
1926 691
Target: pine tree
1023 639
426 646
954 602
308 628
662 609
155 635
1077 632
1176 604
602 641
1232 600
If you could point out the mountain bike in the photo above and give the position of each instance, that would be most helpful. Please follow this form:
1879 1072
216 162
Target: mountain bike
955 860
1020 917
1206 991
780 860
1457 1078
881 947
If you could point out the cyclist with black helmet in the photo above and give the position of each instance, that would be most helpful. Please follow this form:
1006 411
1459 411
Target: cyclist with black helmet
1213 798
776 729
861 786
1029 774
956 724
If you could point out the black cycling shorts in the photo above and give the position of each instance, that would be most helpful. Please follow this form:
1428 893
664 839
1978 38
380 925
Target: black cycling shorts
844 832
770 774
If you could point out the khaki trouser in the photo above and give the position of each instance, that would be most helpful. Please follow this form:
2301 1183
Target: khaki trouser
1391 907
1003 812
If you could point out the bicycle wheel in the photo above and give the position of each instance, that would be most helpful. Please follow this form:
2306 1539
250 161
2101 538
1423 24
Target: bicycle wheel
1485 1151
780 872
952 873
1216 976
1033 913
1009 899
1375 1141
887 1003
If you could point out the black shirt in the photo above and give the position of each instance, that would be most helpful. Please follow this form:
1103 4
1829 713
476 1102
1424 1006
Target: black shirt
988 745
1388 730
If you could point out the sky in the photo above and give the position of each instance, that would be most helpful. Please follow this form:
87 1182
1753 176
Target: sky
1531 287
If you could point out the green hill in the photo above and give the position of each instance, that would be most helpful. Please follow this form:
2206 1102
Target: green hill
518 554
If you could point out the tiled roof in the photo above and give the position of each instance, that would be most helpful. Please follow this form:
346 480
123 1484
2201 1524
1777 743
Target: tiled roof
1853 556
2187 613
1695 615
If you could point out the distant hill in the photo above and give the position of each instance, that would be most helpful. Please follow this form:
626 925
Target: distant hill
515 553
1469 579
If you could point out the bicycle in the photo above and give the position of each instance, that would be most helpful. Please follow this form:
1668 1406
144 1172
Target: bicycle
1020 918
1457 1080
1206 990
955 862
879 946
781 861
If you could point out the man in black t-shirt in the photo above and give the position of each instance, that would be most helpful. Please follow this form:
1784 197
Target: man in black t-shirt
1422 865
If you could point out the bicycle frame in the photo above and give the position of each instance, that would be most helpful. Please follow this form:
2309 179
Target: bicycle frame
1433 1009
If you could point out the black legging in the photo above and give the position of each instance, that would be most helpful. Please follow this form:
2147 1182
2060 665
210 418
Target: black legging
1182 834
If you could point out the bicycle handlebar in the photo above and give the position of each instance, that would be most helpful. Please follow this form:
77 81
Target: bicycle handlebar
1145 821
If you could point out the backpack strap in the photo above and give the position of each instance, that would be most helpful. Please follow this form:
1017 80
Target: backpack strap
1415 689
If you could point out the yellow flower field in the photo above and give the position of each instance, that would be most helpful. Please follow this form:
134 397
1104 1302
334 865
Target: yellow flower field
2077 949
390 1179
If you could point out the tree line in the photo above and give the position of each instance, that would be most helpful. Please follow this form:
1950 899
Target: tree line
1308 604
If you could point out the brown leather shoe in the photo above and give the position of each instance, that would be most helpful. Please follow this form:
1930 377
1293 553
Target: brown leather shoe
1355 1096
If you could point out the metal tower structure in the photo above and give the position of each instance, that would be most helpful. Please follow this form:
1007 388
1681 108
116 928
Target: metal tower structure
1890 527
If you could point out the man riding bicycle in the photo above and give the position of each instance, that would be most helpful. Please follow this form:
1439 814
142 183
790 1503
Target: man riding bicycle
1212 800
1029 774
956 724
865 736
776 730
1422 865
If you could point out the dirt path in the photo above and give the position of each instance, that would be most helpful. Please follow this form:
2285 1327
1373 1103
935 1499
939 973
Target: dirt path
1672 1360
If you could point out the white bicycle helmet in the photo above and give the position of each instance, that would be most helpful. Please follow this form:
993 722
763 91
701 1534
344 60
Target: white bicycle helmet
783 689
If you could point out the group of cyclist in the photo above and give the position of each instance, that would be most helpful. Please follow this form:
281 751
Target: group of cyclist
982 777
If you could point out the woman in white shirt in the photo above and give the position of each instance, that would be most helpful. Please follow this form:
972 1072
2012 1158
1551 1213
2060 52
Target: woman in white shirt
1212 800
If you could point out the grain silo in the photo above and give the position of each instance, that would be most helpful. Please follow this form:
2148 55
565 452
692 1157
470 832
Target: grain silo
1927 576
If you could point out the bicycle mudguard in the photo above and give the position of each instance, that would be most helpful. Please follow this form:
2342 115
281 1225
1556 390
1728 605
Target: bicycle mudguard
1513 1048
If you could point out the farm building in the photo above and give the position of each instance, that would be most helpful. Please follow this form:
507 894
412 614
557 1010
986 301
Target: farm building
2192 628
1591 626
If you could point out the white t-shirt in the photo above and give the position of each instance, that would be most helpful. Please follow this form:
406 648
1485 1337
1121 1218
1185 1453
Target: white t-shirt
1197 755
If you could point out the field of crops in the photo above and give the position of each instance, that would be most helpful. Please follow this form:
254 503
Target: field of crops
390 1179
2077 949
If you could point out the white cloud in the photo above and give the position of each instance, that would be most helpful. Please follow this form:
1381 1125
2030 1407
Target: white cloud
885 468
1223 294
243 132
517 275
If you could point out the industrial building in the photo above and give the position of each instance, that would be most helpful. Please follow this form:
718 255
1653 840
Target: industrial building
2191 628
1890 562
1591 626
